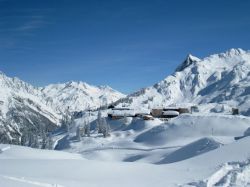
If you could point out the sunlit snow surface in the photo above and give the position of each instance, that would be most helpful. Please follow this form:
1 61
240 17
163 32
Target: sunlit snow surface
191 150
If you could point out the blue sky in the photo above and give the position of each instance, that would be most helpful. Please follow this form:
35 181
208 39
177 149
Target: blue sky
126 44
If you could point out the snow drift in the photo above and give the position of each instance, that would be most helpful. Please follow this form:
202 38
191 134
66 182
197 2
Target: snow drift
193 149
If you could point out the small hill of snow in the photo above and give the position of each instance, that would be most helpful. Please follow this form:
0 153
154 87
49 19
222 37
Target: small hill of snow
193 149
209 168
136 140
232 163
194 126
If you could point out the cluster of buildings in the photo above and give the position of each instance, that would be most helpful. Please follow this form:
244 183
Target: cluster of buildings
162 113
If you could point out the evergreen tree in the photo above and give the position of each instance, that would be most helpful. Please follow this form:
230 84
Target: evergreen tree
36 142
44 141
66 120
65 123
33 141
78 133
44 138
99 122
50 142
105 128
24 138
102 126
86 128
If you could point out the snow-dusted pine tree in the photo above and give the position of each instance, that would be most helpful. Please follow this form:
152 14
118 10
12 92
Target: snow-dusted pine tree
50 143
102 126
87 129
98 122
33 140
66 120
24 138
78 133
105 128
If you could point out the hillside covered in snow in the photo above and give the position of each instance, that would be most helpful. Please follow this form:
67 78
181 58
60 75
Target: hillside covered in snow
188 151
23 109
219 81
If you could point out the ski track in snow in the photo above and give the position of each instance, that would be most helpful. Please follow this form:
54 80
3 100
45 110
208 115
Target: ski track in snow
235 174
36 183
231 174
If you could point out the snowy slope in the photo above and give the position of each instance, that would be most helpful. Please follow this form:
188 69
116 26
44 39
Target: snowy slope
67 170
221 78
79 96
136 140
22 108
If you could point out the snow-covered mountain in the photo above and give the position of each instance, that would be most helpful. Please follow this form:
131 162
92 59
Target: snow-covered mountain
22 108
222 79
217 82
79 96
25 108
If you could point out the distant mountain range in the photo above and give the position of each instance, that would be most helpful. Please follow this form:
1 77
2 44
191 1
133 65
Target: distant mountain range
24 107
216 82
79 96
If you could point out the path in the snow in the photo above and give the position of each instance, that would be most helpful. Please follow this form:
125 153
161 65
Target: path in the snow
32 182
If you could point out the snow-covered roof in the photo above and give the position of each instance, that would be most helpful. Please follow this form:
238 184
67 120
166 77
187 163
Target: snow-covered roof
121 109
170 113
122 113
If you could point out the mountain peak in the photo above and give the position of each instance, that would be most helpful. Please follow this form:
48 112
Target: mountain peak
105 87
233 52
77 84
79 95
190 59
219 78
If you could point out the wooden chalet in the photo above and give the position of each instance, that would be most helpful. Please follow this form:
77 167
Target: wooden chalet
169 112
119 113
